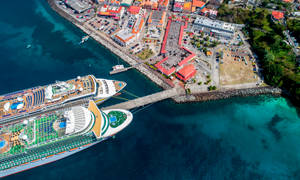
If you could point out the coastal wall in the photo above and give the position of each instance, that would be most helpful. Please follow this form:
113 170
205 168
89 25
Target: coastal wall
224 94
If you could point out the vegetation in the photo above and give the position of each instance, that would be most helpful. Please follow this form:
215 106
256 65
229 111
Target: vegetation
151 66
211 88
277 59
207 82
203 43
145 54
294 26
233 15
188 91
277 4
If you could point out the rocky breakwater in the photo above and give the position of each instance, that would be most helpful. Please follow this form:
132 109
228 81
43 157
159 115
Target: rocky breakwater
224 94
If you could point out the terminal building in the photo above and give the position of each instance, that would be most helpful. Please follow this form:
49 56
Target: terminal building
78 6
214 27
175 55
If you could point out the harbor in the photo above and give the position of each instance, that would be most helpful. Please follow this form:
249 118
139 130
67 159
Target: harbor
236 138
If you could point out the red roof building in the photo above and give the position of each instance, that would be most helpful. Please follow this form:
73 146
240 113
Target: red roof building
167 72
277 15
288 1
191 55
198 4
186 72
134 9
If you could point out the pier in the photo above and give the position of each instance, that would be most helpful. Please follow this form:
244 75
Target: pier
123 69
142 101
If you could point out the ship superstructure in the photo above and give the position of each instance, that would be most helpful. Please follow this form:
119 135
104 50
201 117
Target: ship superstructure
26 102
41 139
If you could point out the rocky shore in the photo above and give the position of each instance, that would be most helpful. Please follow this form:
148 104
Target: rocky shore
224 94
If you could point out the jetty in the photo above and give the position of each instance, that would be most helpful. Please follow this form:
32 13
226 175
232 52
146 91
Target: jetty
115 71
149 99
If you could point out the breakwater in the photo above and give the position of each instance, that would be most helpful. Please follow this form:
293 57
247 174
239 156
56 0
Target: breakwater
224 94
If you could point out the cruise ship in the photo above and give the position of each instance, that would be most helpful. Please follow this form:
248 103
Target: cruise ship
42 139
38 99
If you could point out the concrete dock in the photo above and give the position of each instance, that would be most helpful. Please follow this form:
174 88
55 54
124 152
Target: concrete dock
142 101
123 69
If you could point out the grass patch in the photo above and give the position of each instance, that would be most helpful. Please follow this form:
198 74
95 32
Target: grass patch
145 54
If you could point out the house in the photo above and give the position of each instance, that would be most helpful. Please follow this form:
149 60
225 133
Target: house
277 15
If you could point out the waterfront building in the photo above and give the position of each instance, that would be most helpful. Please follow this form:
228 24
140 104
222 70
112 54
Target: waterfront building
131 31
78 6
187 72
214 27
175 55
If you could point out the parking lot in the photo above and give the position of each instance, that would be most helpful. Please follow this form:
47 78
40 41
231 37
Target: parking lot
104 25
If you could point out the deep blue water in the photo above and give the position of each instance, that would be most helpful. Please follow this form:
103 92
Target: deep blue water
238 138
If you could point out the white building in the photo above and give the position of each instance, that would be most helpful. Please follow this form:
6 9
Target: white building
218 28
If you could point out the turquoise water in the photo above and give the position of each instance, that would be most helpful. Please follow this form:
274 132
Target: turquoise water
238 138
2 144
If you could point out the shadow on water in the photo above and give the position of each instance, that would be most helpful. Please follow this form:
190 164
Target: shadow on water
272 126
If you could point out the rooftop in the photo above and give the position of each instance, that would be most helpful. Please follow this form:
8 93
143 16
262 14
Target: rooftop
214 24
186 72
198 3
277 15
134 9
77 5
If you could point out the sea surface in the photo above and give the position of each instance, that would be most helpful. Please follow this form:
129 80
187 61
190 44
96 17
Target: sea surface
238 138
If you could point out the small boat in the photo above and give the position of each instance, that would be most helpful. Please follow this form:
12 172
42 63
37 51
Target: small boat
118 67
28 46
83 39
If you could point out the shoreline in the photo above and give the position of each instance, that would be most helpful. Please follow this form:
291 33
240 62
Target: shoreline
228 93
109 44
149 73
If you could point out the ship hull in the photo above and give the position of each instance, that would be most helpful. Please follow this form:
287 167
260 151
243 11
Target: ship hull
48 160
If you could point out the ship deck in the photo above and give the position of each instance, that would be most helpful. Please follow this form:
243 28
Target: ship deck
34 99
